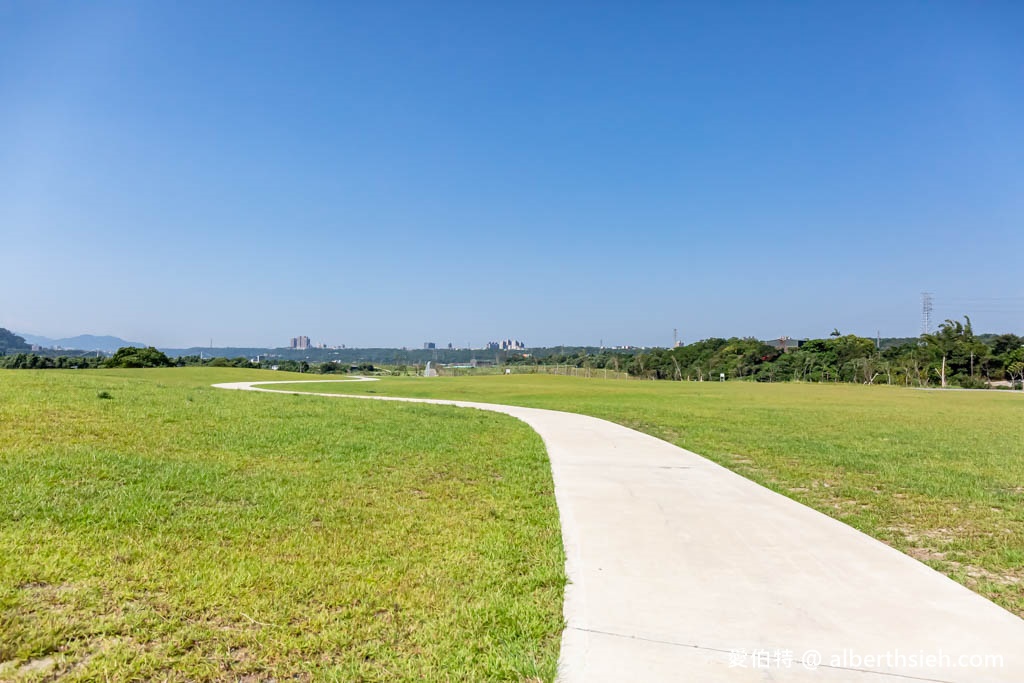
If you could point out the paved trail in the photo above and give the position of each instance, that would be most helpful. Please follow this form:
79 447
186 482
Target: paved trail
681 570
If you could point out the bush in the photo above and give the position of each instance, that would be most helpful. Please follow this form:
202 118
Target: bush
133 357
972 383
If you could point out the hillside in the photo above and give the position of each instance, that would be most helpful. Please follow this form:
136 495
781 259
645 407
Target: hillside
11 342
83 342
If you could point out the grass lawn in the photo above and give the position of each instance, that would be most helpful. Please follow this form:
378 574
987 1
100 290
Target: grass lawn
939 475
178 532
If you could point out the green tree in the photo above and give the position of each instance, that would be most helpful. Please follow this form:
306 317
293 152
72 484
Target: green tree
1015 365
133 357
1004 343
955 351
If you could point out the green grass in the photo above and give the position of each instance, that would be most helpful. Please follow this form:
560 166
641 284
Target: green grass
155 528
939 475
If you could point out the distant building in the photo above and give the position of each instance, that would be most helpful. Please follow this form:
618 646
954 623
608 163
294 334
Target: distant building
506 345
785 344
300 343
429 345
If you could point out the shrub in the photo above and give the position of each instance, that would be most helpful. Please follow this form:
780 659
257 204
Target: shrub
132 357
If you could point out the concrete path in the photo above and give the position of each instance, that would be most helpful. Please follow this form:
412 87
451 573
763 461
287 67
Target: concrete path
681 570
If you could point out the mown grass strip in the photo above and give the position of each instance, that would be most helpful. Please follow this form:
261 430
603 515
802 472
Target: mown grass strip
178 532
938 475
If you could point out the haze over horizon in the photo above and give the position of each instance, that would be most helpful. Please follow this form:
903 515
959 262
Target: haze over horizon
394 173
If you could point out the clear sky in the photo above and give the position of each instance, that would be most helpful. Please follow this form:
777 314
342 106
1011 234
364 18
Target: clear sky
381 173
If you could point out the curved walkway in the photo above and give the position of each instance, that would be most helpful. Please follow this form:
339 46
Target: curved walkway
681 570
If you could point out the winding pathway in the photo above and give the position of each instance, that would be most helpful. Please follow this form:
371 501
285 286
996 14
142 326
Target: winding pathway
681 570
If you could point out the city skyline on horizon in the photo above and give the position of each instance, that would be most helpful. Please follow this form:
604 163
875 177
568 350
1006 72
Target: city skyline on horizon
674 334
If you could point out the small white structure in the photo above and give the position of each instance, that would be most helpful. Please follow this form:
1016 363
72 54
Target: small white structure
429 371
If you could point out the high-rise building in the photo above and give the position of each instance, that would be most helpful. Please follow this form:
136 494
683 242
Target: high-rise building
506 345
300 343
429 345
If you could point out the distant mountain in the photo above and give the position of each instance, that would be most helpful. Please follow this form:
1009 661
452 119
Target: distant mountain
36 339
83 342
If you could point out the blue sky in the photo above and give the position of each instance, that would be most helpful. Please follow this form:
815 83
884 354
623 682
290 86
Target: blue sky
564 173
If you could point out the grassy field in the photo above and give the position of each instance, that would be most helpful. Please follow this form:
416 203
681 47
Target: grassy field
154 528
939 475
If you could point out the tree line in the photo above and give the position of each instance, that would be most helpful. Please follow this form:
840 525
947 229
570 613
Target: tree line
951 356
35 361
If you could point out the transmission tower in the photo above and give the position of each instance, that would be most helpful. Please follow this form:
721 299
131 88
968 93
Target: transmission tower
926 312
